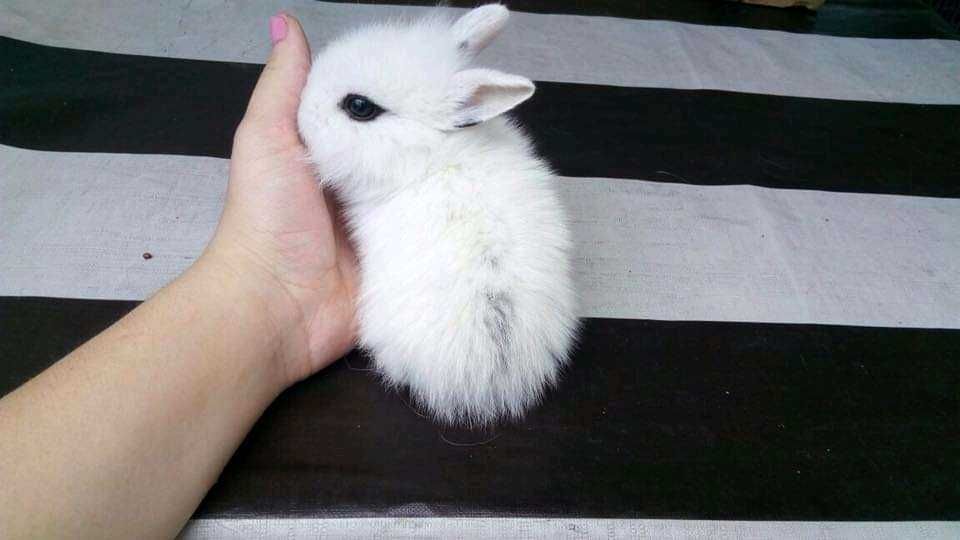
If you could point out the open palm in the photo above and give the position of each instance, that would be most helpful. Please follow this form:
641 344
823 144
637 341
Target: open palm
278 226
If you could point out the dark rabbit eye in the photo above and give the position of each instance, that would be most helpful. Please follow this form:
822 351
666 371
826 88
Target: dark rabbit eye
360 108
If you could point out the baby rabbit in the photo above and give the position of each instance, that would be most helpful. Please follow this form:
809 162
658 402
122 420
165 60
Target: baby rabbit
466 295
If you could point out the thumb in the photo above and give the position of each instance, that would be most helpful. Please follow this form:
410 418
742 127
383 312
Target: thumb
273 105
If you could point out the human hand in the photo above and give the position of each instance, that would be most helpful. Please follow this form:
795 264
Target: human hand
279 238
270 301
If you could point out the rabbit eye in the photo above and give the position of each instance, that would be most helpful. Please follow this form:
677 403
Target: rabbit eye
360 108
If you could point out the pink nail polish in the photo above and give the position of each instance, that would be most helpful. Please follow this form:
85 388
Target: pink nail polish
278 28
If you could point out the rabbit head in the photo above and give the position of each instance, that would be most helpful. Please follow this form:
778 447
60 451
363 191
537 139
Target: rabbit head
381 99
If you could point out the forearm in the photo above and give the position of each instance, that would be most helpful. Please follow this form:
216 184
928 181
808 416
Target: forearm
124 436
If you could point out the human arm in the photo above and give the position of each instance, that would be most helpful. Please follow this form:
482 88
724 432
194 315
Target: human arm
124 436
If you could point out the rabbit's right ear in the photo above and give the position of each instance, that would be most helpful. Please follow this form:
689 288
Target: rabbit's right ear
477 28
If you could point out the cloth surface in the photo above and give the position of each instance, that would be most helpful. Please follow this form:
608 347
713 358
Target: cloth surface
766 213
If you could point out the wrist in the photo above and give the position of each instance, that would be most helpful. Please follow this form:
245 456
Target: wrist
261 314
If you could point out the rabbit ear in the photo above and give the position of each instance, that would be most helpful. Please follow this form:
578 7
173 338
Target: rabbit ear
481 94
477 28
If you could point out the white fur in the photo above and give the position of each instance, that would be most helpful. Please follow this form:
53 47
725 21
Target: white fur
466 294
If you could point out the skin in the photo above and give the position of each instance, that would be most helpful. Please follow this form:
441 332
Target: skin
124 436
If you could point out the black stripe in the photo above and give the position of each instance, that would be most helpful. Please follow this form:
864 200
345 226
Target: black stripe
904 19
71 100
81 101
653 419
721 138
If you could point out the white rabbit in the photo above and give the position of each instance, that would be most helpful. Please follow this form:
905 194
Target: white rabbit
466 295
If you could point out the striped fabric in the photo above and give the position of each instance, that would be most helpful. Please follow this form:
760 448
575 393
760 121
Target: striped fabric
766 213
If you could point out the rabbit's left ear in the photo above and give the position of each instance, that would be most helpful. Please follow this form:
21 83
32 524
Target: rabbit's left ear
477 28
480 94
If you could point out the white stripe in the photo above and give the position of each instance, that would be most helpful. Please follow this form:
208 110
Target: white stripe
565 48
77 225
556 529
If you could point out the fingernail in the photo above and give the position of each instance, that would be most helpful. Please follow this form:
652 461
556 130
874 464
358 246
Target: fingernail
278 28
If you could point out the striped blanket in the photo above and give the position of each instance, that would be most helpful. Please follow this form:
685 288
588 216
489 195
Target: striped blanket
766 212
